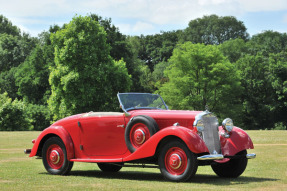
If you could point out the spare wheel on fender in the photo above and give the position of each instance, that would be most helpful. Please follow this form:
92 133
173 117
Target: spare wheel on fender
139 130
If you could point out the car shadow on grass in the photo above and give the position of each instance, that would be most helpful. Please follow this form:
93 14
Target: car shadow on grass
151 176
214 179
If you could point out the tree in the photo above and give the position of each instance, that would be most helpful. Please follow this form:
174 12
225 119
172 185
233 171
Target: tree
12 115
196 80
268 42
85 77
213 29
32 76
263 78
123 47
14 50
278 79
8 84
233 49
116 40
10 52
6 27
157 48
258 94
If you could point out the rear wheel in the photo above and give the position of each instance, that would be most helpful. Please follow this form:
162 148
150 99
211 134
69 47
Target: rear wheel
231 169
107 167
54 156
177 162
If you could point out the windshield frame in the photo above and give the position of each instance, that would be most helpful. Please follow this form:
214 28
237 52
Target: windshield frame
126 110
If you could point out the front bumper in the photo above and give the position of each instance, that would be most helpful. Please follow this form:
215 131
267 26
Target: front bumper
27 151
220 156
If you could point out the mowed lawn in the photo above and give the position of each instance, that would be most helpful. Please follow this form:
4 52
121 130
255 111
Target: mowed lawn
19 172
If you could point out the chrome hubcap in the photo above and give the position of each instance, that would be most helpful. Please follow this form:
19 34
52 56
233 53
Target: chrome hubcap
175 161
139 136
55 157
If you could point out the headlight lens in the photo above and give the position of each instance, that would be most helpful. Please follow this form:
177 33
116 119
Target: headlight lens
199 125
227 124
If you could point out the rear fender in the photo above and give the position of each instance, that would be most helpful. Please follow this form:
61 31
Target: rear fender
190 138
238 141
50 132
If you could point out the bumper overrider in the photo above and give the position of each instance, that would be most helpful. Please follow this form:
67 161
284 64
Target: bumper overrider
27 151
220 156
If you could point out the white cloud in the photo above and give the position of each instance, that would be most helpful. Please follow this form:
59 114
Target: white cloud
263 5
142 26
138 28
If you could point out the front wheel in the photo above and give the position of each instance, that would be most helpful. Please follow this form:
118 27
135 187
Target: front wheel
176 162
54 156
231 169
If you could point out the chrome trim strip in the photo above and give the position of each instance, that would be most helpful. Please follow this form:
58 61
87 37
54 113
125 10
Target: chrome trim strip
251 156
211 157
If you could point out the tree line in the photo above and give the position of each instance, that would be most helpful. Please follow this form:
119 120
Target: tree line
80 67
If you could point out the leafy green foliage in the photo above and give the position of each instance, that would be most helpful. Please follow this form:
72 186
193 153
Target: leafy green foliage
6 27
12 115
32 75
214 30
233 49
7 83
83 78
86 62
257 94
39 116
195 80
157 48
268 42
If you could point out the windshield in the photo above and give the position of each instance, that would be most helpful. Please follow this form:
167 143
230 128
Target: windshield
131 101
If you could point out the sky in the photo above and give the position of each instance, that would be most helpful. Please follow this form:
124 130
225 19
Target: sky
136 17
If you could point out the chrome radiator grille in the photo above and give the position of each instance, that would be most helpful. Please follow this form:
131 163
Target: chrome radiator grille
210 134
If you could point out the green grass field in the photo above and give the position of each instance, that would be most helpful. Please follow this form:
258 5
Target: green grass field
19 172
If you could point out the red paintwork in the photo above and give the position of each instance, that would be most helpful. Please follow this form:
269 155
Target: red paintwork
175 161
55 156
100 137
139 134
56 131
238 141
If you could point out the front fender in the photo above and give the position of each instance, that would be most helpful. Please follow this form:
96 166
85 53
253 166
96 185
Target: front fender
191 139
238 141
54 131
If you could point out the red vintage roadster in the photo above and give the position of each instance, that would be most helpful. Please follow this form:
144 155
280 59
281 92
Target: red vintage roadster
145 134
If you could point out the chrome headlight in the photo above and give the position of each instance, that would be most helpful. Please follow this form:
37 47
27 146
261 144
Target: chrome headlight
198 124
227 124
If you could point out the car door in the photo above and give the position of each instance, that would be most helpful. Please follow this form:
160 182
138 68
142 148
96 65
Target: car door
103 135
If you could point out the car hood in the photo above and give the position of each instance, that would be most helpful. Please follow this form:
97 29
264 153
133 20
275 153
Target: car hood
67 120
166 118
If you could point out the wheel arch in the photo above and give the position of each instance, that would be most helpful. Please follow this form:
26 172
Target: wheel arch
238 141
42 142
54 131
164 141
194 143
